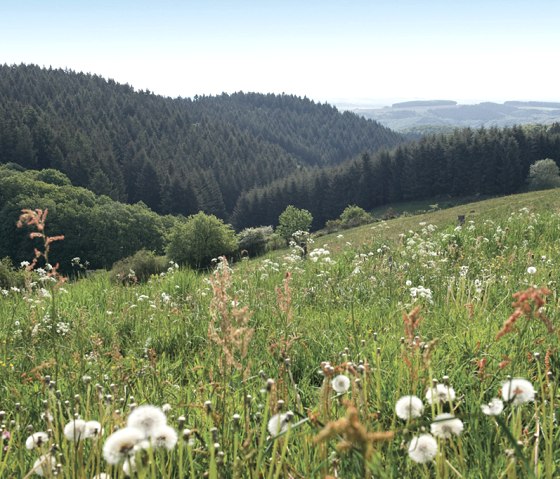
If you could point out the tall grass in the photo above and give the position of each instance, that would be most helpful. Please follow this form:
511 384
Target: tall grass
244 359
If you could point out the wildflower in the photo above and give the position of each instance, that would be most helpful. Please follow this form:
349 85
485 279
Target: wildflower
531 270
75 430
93 429
409 407
147 418
166 408
164 436
36 439
493 408
341 384
47 416
518 391
278 424
446 425
422 448
440 393
129 467
41 465
121 444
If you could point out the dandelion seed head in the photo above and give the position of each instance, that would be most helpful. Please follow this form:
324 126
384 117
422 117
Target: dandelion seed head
531 270
518 390
93 430
164 436
147 418
121 444
36 439
42 465
340 383
440 393
493 408
277 424
408 407
129 466
422 449
446 425
75 430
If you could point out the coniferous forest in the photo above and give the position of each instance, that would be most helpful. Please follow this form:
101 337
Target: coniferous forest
179 155
242 157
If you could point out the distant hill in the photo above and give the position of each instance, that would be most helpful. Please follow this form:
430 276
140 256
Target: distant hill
444 115
417 103
175 155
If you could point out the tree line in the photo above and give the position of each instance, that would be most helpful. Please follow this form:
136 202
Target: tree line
466 162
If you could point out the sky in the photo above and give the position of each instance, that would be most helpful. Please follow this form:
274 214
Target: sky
360 51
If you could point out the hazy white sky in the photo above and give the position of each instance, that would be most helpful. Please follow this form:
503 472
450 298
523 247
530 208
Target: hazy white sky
381 50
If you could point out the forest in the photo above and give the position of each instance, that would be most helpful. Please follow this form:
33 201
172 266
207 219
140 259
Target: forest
177 155
488 162
119 168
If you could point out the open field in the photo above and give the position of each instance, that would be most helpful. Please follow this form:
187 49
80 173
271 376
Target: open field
287 367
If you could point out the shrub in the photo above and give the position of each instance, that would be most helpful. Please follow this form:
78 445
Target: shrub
200 239
254 240
354 216
293 219
9 276
138 267
543 174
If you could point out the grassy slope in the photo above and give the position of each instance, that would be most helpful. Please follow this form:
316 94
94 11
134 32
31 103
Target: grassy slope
159 350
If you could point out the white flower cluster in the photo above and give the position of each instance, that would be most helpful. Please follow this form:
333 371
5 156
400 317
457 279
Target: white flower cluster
146 428
421 292
75 431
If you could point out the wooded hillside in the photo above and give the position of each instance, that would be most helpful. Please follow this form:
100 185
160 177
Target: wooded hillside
175 155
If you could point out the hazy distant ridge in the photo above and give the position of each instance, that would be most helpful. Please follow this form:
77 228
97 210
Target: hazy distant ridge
423 116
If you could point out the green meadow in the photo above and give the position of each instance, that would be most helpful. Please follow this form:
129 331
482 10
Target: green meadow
286 366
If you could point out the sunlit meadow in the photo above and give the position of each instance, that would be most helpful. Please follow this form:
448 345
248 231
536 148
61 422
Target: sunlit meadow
412 348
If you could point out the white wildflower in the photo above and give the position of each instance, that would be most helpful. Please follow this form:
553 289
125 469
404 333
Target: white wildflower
277 424
36 439
446 425
422 448
518 391
341 383
129 466
121 444
93 430
440 393
531 270
75 430
493 408
408 407
42 465
164 436
147 418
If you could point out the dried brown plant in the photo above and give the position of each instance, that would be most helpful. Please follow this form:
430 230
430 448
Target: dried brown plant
412 322
38 219
229 323
527 303
352 433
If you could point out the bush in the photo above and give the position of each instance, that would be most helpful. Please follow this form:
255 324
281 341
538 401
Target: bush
543 175
138 267
293 219
200 239
9 276
354 216
254 241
